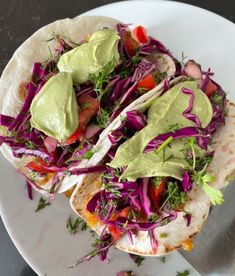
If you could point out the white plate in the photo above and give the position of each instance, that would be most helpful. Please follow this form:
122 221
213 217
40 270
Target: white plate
42 238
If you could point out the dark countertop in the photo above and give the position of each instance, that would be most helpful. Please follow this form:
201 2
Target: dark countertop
18 20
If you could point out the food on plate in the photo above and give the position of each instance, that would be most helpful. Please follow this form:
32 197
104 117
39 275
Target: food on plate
52 117
165 162
141 142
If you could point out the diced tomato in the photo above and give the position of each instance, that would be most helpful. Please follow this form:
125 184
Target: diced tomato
116 234
124 212
130 44
80 132
140 34
156 192
39 165
211 88
147 82
89 106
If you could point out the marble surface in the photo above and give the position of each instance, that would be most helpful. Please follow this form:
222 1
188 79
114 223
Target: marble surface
18 20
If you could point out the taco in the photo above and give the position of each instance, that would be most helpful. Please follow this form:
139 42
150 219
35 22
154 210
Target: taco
53 116
164 164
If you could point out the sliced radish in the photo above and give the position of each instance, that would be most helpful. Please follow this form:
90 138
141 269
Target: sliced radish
193 69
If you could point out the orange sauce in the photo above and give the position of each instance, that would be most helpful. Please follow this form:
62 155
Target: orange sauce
188 245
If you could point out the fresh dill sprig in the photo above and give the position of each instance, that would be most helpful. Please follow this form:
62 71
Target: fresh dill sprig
42 204
74 226
102 118
101 78
174 197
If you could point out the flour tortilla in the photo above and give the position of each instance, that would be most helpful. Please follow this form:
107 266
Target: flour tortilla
35 49
222 167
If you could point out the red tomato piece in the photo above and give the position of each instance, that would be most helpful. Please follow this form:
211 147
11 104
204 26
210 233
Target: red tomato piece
115 233
211 88
79 133
89 106
39 165
140 34
124 212
130 44
147 82
156 192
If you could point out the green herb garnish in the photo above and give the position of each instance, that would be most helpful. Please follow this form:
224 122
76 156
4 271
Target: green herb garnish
164 144
74 226
159 76
184 273
101 78
217 99
183 58
42 204
174 197
88 154
202 179
163 259
102 118
136 60
172 128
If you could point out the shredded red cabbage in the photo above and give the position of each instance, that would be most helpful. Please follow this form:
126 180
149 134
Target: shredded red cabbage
206 80
152 45
144 68
18 152
29 190
187 184
144 199
6 120
136 119
166 85
180 133
94 169
187 113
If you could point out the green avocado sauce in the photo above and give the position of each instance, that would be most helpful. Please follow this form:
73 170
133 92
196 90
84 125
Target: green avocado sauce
54 110
89 58
164 112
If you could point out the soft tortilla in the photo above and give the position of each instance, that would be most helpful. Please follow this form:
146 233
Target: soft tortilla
198 205
35 49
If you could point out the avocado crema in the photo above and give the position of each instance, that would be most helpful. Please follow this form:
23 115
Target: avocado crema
91 57
54 110
163 113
